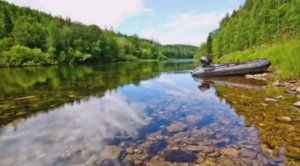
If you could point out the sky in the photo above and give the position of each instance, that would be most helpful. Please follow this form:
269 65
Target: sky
165 21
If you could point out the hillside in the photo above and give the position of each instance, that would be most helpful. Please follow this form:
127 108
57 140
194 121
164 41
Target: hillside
259 29
30 37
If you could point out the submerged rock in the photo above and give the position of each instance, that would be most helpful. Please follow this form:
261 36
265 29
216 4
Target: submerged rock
157 146
204 149
248 154
257 76
270 100
289 91
130 150
111 152
91 161
228 162
277 83
230 152
193 118
284 119
176 127
179 156
164 164
297 104
298 90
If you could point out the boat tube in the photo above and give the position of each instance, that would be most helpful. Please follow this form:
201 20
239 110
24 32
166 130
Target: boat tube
232 69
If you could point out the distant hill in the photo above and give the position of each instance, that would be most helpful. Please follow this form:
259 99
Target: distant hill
259 29
31 37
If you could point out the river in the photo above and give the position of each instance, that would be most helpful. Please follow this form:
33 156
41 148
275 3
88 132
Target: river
142 113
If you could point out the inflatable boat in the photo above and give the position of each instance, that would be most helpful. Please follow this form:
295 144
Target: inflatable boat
232 69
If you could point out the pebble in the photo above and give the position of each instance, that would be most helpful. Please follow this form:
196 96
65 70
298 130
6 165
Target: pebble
174 148
129 150
214 155
270 100
297 104
290 91
140 157
261 159
248 153
279 97
176 127
284 119
298 90
91 161
277 83
204 149
230 152
228 162
193 118
164 164
111 152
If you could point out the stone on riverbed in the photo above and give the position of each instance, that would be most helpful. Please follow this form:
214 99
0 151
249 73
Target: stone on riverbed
270 100
193 118
111 152
277 83
91 161
290 91
298 90
284 119
204 149
176 127
230 152
297 104
248 154
257 76
130 150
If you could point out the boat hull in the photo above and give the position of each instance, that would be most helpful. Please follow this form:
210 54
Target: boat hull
253 67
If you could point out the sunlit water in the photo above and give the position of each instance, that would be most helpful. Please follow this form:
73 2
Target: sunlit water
138 114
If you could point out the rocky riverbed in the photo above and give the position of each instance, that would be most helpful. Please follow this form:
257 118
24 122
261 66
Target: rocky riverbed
168 121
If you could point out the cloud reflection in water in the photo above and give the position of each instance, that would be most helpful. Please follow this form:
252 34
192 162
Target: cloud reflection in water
90 123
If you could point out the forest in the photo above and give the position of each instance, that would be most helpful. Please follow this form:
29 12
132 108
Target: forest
30 37
259 29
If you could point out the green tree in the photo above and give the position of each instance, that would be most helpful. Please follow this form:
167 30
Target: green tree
8 23
209 45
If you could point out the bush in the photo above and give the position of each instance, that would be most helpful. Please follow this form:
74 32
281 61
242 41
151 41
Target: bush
20 55
162 58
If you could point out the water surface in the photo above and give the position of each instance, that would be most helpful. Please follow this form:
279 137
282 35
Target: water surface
141 113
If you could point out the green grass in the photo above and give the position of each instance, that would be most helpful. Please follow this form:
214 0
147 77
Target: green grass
285 57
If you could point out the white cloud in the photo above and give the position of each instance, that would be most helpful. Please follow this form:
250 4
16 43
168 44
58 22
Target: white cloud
187 28
104 13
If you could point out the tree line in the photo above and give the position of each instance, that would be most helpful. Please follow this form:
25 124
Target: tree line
31 37
256 23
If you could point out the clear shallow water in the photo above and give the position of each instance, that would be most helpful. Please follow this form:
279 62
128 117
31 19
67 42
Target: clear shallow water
140 113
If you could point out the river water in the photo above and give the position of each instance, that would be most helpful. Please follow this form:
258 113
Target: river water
144 113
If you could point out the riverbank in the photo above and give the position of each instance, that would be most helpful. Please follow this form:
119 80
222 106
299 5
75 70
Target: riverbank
290 86
284 56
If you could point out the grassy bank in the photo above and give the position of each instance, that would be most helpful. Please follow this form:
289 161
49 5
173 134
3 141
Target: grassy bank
285 57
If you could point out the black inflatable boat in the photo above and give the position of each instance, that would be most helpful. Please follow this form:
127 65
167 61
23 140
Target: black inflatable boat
231 69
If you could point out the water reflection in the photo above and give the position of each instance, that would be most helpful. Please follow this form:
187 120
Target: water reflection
27 91
141 113
238 82
84 126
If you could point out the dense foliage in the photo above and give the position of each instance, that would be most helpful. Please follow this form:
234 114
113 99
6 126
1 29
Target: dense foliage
259 29
179 51
30 37
254 24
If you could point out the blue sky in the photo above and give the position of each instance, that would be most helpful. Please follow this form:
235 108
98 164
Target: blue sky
166 21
